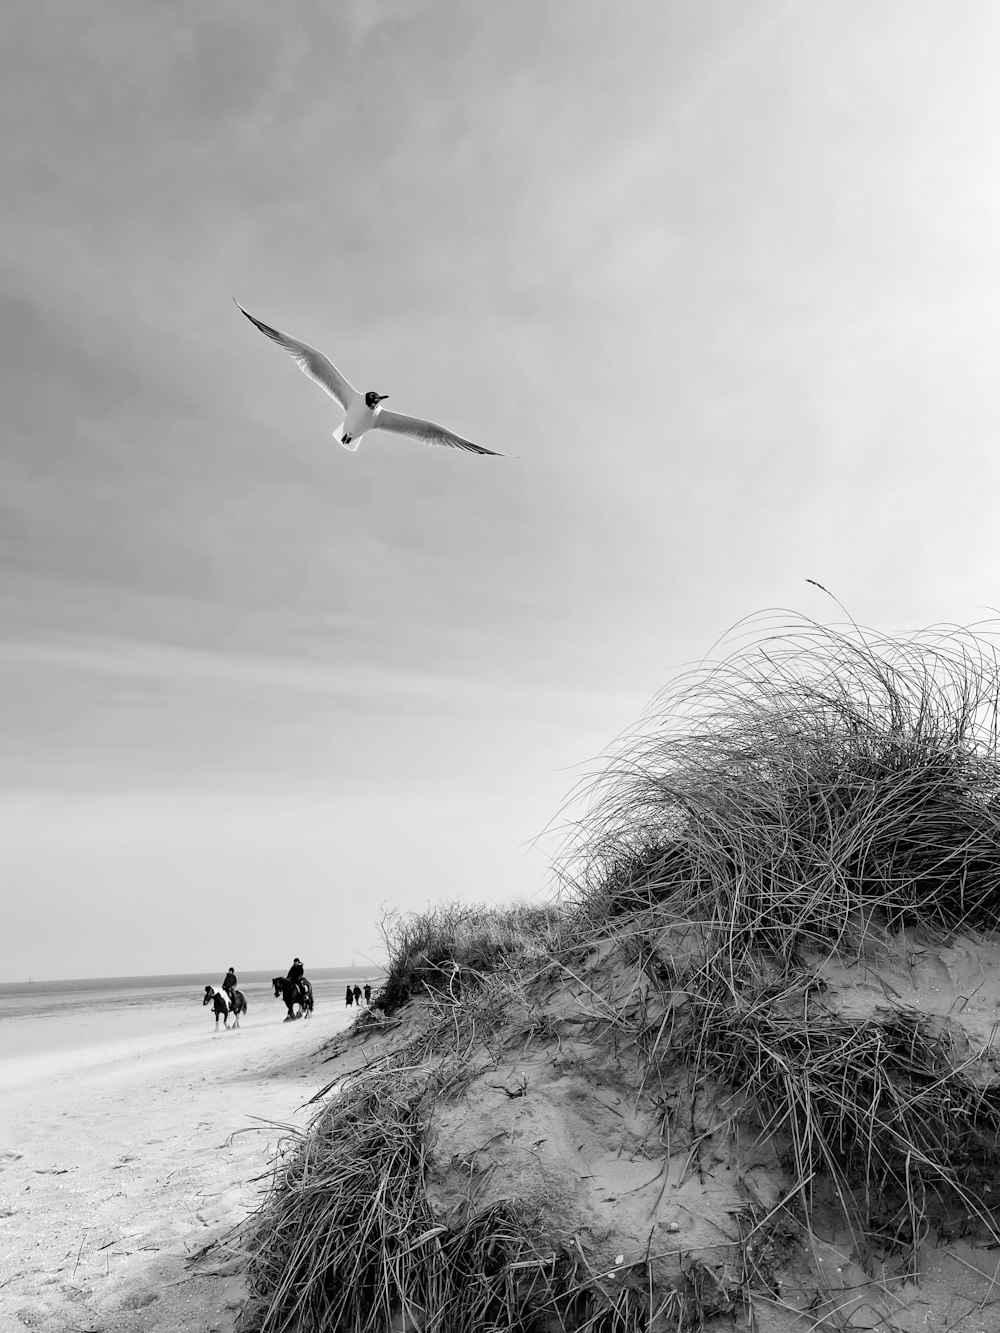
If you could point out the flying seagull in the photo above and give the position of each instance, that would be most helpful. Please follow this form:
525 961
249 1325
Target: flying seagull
364 410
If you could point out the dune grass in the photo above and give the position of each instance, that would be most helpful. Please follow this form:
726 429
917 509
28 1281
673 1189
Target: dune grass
815 781
887 1119
440 950
349 1241
815 792
814 786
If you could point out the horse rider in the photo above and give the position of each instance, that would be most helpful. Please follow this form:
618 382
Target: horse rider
230 984
297 976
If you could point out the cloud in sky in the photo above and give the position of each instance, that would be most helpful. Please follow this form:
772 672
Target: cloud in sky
723 275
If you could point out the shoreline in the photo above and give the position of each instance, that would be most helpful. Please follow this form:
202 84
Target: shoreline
125 1158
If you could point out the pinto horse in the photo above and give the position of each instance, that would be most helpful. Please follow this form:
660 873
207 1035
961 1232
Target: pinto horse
294 993
224 1006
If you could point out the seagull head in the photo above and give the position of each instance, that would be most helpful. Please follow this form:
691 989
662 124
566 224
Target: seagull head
372 399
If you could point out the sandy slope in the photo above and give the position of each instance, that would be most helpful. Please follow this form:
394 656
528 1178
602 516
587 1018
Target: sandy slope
119 1164
553 1110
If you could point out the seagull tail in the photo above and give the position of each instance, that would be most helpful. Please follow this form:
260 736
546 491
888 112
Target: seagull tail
338 435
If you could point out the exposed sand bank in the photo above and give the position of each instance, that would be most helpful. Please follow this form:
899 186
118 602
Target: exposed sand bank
550 1143
123 1159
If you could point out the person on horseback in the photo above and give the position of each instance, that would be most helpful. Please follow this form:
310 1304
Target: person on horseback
297 975
230 984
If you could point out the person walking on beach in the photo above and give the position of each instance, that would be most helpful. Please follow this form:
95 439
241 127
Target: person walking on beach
368 993
357 995
230 984
350 997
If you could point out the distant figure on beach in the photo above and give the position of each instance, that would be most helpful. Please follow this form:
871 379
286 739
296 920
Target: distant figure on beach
368 993
357 994
230 983
296 972
350 996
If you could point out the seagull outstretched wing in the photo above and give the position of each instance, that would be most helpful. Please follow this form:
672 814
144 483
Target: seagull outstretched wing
314 364
427 432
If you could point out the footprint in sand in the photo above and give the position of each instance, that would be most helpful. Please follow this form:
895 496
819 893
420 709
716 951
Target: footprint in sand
140 1300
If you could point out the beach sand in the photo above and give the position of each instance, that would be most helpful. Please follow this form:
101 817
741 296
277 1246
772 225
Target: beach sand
126 1162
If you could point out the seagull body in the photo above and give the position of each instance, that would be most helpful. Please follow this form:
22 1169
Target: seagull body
364 411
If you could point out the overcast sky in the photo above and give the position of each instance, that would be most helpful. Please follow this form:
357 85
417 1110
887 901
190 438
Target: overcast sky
722 273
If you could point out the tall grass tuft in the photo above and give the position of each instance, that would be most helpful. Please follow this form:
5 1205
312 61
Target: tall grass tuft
815 779
440 950
815 783
887 1118
348 1240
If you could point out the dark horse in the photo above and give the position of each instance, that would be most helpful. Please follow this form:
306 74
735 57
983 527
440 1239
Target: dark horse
223 1007
294 993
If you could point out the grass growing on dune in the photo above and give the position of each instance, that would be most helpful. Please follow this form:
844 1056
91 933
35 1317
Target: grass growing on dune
772 809
350 1241
887 1119
815 779
438 951
816 790
344 1216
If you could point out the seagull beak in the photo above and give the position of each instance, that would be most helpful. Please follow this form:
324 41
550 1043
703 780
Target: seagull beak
382 396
